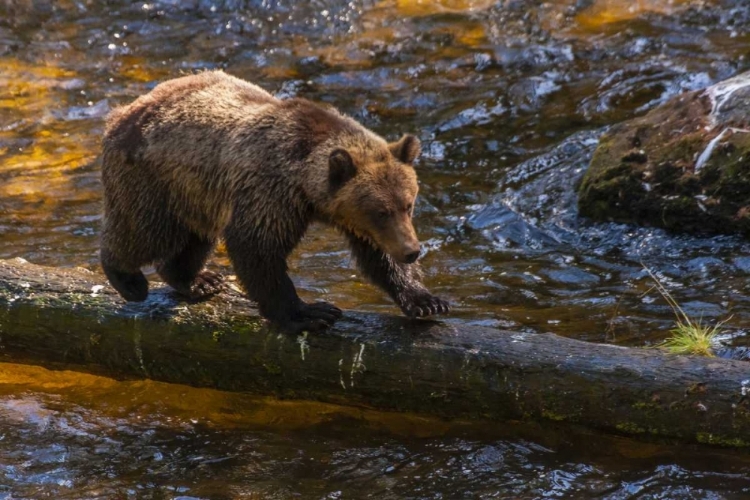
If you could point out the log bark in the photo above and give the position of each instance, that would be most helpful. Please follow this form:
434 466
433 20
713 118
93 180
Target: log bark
71 318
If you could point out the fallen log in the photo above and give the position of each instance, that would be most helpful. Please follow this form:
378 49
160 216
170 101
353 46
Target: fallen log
70 318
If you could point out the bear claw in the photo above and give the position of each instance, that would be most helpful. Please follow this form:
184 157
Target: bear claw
206 284
425 305
310 318
320 311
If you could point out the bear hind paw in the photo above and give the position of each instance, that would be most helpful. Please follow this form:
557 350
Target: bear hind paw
133 287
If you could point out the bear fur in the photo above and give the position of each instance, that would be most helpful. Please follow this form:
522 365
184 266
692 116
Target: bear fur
211 156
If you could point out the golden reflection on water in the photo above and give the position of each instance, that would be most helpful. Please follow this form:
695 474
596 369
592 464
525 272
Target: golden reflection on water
164 405
605 12
37 172
429 7
178 403
138 69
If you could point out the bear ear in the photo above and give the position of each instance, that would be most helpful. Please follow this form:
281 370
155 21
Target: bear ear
407 149
340 168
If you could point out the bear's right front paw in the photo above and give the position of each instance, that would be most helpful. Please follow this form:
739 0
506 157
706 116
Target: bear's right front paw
425 304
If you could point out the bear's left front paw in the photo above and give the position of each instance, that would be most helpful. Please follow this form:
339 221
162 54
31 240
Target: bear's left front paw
320 310
425 305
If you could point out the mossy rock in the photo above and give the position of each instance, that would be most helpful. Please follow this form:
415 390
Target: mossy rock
684 166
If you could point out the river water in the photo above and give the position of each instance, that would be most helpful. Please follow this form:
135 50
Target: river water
508 98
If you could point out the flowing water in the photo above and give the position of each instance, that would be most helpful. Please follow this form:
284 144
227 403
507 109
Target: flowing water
72 436
508 98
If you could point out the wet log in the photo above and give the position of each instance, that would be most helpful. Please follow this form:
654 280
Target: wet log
71 318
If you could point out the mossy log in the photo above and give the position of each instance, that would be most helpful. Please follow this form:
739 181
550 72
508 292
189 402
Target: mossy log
70 318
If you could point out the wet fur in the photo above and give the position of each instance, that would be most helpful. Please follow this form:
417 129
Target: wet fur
210 156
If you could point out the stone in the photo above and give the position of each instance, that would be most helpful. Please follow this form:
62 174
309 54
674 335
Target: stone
684 166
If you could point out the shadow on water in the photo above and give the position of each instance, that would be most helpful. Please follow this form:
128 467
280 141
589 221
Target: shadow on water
508 97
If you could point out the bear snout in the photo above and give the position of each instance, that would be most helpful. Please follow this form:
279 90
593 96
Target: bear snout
411 257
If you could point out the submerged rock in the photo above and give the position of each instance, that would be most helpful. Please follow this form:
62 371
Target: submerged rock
684 166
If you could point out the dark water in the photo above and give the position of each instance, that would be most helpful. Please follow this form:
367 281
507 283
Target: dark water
73 436
508 98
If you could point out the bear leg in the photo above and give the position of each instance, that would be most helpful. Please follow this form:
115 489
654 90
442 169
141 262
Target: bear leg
184 272
131 285
263 275
269 285
401 281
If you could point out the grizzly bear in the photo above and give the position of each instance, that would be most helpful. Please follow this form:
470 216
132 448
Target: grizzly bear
212 156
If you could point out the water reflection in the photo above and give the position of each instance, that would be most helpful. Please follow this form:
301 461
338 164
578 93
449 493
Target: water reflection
67 435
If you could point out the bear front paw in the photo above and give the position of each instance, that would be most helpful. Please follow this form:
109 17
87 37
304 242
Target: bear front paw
311 318
423 305
320 310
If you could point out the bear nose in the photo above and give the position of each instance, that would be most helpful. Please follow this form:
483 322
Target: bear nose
412 257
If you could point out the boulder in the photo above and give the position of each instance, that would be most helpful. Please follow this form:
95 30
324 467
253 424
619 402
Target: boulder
684 166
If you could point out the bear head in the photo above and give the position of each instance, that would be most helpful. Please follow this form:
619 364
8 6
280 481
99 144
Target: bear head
373 187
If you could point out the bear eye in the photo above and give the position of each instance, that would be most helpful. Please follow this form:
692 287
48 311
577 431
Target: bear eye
383 214
409 207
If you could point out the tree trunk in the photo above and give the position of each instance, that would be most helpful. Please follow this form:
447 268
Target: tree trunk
71 318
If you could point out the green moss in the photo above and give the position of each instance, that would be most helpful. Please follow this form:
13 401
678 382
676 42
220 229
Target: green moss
549 415
649 408
642 172
272 368
708 438
616 198
630 428
683 149
247 327
682 213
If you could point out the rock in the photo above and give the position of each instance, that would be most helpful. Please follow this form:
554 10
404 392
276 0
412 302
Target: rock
684 166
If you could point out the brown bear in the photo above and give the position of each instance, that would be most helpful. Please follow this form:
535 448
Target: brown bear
210 155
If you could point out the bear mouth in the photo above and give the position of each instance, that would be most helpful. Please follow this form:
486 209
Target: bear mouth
362 235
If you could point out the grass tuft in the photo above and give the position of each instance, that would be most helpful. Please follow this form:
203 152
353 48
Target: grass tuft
689 336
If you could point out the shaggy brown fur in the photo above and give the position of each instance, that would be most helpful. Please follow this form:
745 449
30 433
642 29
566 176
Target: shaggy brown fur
209 156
